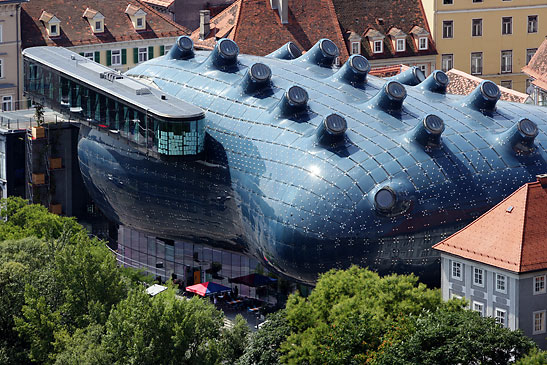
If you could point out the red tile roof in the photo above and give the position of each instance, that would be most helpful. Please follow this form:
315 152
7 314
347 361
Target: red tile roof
388 71
537 67
75 29
382 16
512 235
257 28
462 83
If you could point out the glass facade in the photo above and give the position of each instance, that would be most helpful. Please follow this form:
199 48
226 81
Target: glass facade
169 137
193 263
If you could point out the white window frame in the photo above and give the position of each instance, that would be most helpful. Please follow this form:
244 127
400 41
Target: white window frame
446 57
533 23
98 28
543 290
476 308
116 56
506 27
1 68
1 33
166 49
530 52
89 55
538 315
143 54
449 26
422 67
400 45
424 46
501 316
456 268
506 67
141 19
478 70
475 275
51 32
497 281
455 296
7 99
355 47
379 49
478 27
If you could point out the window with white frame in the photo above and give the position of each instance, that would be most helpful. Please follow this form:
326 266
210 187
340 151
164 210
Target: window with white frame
479 307
378 46
166 49
501 283
457 270
455 296
355 48
140 22
53 30
448 28
143 54
423 68
447 62
507 25
1 68
539 284
98 26
506 61
400 45
530 52
501 316
89 56
476 27
422 43
476 63
478 276
7 103
1 34
539 322
116 57
532 23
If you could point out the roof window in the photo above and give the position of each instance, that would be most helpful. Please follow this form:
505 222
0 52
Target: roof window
137 16
52 24
95 19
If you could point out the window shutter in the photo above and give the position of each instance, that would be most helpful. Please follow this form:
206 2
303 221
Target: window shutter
108 58
135 55
162 50
124 56
97 56
150 52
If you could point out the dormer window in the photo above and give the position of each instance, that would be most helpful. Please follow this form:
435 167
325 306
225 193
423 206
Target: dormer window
137 16
95 19
398 38
52 24
376 41
400 45
355 41
421 38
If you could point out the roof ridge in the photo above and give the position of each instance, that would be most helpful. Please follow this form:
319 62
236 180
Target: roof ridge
523 226
236 20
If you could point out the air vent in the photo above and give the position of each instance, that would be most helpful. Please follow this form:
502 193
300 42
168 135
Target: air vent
143 91
110 76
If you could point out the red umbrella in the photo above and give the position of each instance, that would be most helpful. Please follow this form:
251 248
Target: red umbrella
207 288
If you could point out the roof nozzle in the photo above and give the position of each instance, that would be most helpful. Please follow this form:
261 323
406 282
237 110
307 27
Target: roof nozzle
225 53
288 51
484 97
520 137
390 97
257 77
183 49
331 130
354 71
323 53
294 100
411 77
428 132
437 82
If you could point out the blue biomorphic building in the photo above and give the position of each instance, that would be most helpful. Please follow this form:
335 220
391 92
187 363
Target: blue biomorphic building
305 166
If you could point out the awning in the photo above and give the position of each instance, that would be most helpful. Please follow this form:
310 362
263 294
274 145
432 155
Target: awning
207 288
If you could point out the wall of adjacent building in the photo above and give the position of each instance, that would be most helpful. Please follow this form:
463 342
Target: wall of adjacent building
10 54
530 302
492 42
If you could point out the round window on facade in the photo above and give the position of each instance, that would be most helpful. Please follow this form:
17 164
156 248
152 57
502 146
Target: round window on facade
528 128
385 199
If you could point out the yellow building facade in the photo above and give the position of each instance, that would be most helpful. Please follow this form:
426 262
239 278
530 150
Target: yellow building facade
492 39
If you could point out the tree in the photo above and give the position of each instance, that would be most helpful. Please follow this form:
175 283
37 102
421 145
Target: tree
348 313
449 336
264 344
535 357
83 347
234 340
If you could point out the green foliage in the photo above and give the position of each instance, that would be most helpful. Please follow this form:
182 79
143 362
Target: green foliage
456 337
83 347
348 313
263 348
164 329
234 340
535 357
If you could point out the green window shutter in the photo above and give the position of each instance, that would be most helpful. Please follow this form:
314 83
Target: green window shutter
97 56
135 55
81 54
124 56
150 52
108 58
162 50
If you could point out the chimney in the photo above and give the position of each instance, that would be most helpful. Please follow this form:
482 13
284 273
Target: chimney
204 23
542 179
282 7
